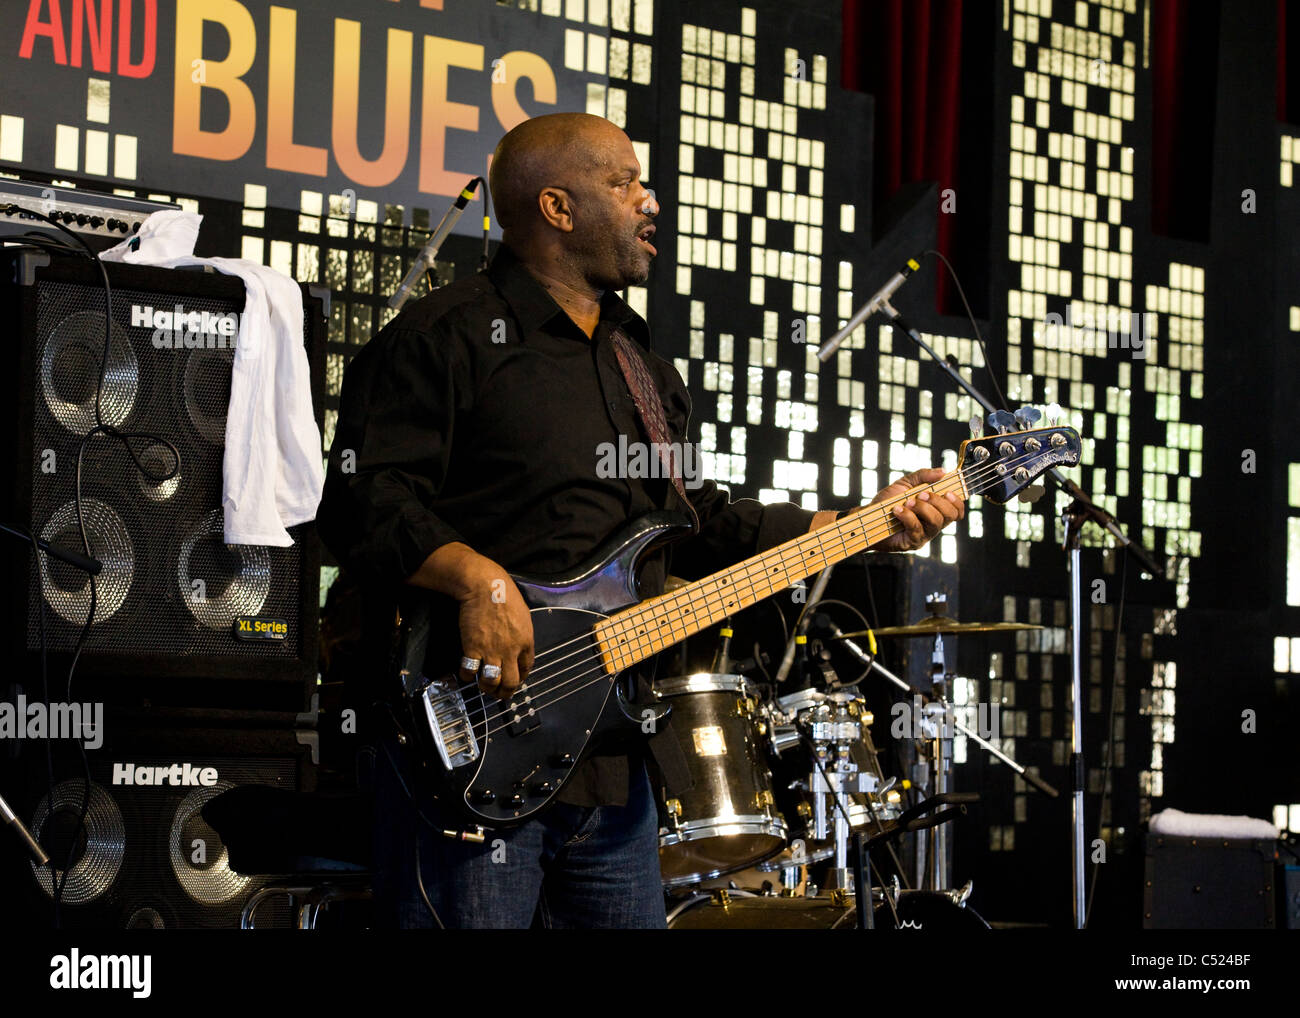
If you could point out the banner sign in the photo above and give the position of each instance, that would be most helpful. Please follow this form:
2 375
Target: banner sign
393 101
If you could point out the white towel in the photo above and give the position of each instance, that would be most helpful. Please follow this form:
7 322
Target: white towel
272 474
1210 825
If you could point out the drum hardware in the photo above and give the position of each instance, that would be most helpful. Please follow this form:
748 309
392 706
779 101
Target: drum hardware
949 725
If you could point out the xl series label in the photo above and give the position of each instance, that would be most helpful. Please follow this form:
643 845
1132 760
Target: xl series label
251 627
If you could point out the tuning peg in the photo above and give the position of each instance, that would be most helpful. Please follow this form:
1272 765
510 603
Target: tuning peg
1028 416
1054 414
976 427
1002 422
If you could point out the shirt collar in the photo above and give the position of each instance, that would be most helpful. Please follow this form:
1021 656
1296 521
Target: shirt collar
535 308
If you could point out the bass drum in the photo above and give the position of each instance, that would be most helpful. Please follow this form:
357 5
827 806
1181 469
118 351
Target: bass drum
918 910
728 819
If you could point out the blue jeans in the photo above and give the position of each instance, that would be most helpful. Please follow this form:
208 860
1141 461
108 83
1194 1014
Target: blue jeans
573 867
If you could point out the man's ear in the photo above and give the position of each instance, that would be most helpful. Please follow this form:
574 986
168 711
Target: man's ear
556 208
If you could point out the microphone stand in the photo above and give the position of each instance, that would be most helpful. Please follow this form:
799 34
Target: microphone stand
1081 509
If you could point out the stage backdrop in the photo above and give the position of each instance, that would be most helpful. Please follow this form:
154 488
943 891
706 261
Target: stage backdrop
323 138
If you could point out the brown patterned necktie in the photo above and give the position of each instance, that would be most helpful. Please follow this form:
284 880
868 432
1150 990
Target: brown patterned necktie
651 411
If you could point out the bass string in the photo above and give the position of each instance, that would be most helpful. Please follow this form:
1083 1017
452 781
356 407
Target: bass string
616 629
976 476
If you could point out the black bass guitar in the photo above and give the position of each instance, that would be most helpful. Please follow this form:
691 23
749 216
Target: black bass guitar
498 763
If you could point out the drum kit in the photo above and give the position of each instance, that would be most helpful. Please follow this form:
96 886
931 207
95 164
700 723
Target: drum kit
788 797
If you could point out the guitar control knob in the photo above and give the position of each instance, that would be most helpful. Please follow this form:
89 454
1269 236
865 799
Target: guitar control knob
484 797
562 760
515 801
542 789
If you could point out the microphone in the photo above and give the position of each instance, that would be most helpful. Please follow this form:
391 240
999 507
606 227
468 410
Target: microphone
815 595
879 299
722 659
430 250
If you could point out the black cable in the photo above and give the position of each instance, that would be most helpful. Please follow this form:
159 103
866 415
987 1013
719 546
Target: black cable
415 806
974 325
487 223
419 882
1110 727
865 625
49 743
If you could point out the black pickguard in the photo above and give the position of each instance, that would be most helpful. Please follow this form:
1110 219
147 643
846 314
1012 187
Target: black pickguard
529 746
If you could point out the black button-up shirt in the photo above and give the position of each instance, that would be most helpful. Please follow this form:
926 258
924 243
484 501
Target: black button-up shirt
477 415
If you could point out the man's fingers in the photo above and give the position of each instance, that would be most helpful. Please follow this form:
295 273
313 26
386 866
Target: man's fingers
525 663
474 657
911 525
489 678
509 679
930 515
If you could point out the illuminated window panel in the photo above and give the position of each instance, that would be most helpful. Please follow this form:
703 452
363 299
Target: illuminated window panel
1290 157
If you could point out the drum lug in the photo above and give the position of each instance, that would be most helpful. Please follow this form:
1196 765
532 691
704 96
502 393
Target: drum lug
673 807
764 798
744 707
721 896
839 896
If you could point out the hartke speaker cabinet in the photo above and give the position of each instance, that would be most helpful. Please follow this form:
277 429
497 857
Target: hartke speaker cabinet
146 857
171 590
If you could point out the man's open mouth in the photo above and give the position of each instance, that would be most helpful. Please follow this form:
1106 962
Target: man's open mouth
645 236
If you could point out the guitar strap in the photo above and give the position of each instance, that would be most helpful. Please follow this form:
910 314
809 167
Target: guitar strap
650 410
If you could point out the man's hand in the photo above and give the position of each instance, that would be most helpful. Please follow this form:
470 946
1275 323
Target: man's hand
495 627
921 516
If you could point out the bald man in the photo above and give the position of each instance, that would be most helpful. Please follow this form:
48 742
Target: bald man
466 448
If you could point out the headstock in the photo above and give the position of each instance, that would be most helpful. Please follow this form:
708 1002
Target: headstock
1004 462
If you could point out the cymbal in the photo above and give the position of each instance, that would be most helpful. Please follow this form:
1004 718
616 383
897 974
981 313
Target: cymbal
938 625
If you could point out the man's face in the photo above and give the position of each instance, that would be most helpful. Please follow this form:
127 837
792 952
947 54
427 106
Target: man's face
614 218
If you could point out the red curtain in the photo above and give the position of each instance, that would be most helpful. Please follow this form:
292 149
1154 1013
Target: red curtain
1281 61
1184 61
907 54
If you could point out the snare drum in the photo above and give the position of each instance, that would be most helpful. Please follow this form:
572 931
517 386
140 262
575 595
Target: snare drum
728 820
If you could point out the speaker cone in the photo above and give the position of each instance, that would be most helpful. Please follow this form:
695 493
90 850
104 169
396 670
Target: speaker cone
66 588
96 862
70 363
220 581
207 390
198 857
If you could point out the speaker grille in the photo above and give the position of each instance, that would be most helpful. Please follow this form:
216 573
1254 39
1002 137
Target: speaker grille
95 871
170 587
148 858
